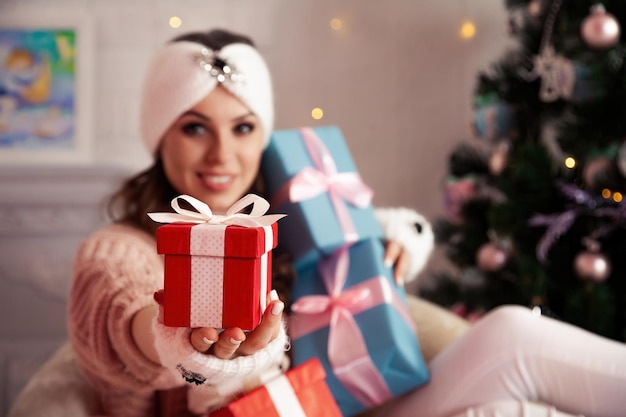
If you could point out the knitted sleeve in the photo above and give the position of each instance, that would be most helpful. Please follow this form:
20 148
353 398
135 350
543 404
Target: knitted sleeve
116 272
176 352
411 230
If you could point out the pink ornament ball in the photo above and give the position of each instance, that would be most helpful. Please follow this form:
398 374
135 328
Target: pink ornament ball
600 30
456 194
592 266
491 257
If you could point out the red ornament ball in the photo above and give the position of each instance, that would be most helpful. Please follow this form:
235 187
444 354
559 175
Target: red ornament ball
592 266
491 257
600 30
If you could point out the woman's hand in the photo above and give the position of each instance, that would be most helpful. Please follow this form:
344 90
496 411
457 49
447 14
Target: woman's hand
398 259
234 342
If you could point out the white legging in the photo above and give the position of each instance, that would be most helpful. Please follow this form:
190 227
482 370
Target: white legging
512 356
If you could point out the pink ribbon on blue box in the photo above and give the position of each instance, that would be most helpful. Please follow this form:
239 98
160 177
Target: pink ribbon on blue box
341 187
353 367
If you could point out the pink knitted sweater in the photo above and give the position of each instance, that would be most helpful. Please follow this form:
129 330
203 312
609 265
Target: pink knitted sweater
116 273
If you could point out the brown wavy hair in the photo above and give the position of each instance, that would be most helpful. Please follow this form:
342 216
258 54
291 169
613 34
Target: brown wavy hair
151 191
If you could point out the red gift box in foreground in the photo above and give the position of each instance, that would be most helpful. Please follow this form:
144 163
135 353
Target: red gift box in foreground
218 271
300 392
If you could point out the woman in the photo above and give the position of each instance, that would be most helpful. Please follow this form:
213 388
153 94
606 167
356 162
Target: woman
209 147
207 113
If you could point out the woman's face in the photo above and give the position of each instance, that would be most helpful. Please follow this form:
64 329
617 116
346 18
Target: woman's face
213 151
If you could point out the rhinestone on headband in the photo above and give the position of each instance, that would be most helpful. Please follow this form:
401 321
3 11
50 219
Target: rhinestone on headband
218 67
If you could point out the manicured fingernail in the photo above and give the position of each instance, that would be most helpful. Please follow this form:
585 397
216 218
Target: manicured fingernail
277 308
400 281
235 342
207 341
273 295
388 263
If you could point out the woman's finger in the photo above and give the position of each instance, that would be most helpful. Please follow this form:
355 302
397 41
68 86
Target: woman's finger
402 266
392 253
266 331
228 343
203 338
398 259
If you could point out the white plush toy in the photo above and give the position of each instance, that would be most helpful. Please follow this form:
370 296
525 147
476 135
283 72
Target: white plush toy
413 231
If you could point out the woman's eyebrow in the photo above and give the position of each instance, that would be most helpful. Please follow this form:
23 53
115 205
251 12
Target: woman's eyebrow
207 118
243 116
196 114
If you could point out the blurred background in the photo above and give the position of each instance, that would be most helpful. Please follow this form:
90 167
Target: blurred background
396 76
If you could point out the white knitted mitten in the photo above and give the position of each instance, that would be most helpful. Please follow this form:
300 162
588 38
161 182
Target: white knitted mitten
411 230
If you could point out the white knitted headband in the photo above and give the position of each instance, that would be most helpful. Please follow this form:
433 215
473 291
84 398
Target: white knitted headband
181 74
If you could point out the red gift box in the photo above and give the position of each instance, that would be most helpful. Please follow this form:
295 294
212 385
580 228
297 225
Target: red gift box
216 275
300 392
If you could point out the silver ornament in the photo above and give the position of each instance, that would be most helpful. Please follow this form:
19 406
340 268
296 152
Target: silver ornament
557 75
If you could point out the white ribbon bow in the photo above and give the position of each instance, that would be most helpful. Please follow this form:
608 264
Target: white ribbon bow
256 218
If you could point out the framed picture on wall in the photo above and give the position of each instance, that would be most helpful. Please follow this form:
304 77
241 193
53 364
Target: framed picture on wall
45 88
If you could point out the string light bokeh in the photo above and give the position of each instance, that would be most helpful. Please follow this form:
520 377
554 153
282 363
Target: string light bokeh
336 23
317 113
175 22
467 30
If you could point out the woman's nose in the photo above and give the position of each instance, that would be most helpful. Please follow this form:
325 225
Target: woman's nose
221 148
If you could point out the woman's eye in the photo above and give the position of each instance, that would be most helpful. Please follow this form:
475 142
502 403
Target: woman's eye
194 129
244 128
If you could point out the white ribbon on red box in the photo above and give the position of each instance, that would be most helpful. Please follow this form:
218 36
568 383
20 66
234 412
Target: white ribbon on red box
204 214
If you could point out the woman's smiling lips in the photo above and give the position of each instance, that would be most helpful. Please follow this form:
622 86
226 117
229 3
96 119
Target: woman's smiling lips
216 182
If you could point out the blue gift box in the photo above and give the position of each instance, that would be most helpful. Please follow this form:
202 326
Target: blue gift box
389 337
313 226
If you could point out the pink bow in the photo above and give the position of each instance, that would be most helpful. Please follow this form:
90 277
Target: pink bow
352 366
323 177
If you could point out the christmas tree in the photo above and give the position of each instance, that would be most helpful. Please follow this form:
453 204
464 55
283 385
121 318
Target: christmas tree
533 202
